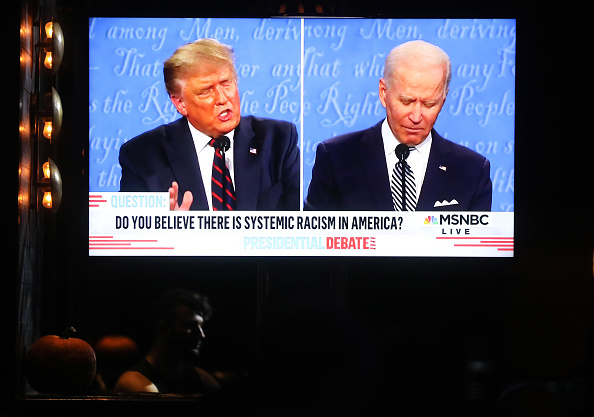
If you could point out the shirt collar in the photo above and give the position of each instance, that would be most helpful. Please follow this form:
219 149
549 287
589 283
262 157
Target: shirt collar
390 142
202 140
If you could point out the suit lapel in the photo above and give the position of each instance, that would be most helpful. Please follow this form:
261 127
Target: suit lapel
247 184
435 175
373 164
183 161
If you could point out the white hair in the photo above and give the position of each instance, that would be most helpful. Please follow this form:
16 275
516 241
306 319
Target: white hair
419 52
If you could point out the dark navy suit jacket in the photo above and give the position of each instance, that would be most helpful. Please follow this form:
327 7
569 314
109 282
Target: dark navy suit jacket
267 179
349 173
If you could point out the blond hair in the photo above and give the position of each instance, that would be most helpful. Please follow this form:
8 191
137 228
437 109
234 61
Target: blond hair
192 55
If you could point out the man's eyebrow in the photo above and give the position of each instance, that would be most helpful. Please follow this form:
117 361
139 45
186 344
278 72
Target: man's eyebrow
406 97
431 101
204 87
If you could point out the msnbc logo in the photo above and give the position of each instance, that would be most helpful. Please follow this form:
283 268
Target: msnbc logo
472 219
431 220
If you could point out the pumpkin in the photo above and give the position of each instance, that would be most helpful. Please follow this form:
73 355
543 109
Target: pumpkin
115 354
115 351
60 364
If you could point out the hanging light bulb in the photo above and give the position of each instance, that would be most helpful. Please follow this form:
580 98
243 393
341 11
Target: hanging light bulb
52 120
46 170
47 62
47 199
47 128
49 32
51 186
49 29
53 46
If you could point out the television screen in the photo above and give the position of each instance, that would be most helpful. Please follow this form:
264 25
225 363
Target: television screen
322 75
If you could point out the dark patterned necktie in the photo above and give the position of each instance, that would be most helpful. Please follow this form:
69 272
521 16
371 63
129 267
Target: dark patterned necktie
404 193
223 194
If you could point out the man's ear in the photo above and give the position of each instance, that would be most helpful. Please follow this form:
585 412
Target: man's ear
382 91
179 105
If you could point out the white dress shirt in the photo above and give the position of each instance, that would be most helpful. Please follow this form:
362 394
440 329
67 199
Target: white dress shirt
417 159
205 154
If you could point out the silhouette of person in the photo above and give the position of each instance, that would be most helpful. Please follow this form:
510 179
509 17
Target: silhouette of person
527 399
178 317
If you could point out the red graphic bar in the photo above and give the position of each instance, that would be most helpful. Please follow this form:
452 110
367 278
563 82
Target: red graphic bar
95 199
474 237
108 242
483 245
124 240
100 243
501 243
130 247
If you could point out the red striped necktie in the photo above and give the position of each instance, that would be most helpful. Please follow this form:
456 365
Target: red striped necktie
223 194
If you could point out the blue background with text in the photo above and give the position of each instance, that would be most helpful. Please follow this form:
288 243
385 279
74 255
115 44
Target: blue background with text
326 70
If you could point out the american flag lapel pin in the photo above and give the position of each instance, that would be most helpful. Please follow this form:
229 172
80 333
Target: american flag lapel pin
253 151
443 168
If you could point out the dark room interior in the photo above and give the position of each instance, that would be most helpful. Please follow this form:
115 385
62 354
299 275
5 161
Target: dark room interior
404 336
